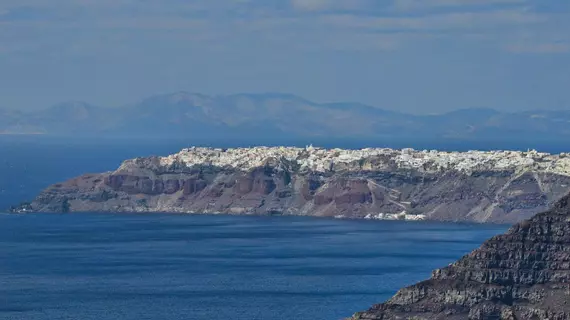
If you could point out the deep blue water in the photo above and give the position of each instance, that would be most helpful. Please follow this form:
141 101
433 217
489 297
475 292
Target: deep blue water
104 267
89 266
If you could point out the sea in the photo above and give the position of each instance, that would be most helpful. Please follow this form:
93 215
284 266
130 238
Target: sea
172 266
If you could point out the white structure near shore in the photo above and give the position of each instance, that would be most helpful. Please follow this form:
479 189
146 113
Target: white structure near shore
396 216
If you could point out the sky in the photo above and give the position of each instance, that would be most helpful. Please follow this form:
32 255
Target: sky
417 56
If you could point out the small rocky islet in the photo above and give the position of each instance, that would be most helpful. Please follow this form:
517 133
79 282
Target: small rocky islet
372 183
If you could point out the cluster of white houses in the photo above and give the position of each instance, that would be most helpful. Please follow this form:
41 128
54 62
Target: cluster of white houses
321 160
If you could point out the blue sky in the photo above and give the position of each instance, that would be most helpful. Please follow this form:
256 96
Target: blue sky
420 56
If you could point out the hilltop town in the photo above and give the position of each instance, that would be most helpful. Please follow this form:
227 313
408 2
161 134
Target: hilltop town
322 160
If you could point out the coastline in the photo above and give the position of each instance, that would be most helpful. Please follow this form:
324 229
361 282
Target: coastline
371 183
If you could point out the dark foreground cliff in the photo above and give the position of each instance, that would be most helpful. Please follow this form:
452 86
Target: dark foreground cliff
369 183
521 275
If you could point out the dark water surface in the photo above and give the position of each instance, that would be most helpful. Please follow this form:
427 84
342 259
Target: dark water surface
91 266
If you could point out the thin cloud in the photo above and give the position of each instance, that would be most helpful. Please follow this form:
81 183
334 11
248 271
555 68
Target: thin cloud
540 48
455 21
323 5
310 5
424 4
336 24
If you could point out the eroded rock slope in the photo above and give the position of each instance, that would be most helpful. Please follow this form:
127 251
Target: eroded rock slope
370 183
521 275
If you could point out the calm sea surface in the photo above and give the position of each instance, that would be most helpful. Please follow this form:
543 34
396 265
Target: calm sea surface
89 266
163 266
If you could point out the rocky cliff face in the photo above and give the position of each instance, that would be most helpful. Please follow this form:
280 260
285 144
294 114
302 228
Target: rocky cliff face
523 275
370 183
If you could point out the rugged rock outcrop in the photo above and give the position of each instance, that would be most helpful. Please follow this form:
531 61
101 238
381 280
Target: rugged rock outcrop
369 183
523 275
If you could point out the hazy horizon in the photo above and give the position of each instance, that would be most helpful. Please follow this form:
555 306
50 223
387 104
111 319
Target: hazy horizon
269 94
413 56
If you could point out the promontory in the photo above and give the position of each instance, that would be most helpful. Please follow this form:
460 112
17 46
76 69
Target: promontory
523 274
373 183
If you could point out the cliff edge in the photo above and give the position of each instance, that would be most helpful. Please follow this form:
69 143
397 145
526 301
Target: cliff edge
494 186
521 275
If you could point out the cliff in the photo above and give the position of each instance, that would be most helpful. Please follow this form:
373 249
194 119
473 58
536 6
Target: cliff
496 186
523 275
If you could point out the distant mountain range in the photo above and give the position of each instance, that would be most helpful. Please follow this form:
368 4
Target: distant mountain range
270 115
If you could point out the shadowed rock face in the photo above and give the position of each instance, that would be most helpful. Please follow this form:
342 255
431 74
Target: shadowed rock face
523 274
355 190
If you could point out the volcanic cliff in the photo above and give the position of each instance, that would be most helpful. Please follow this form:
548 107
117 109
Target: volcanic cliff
521 275
494 186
